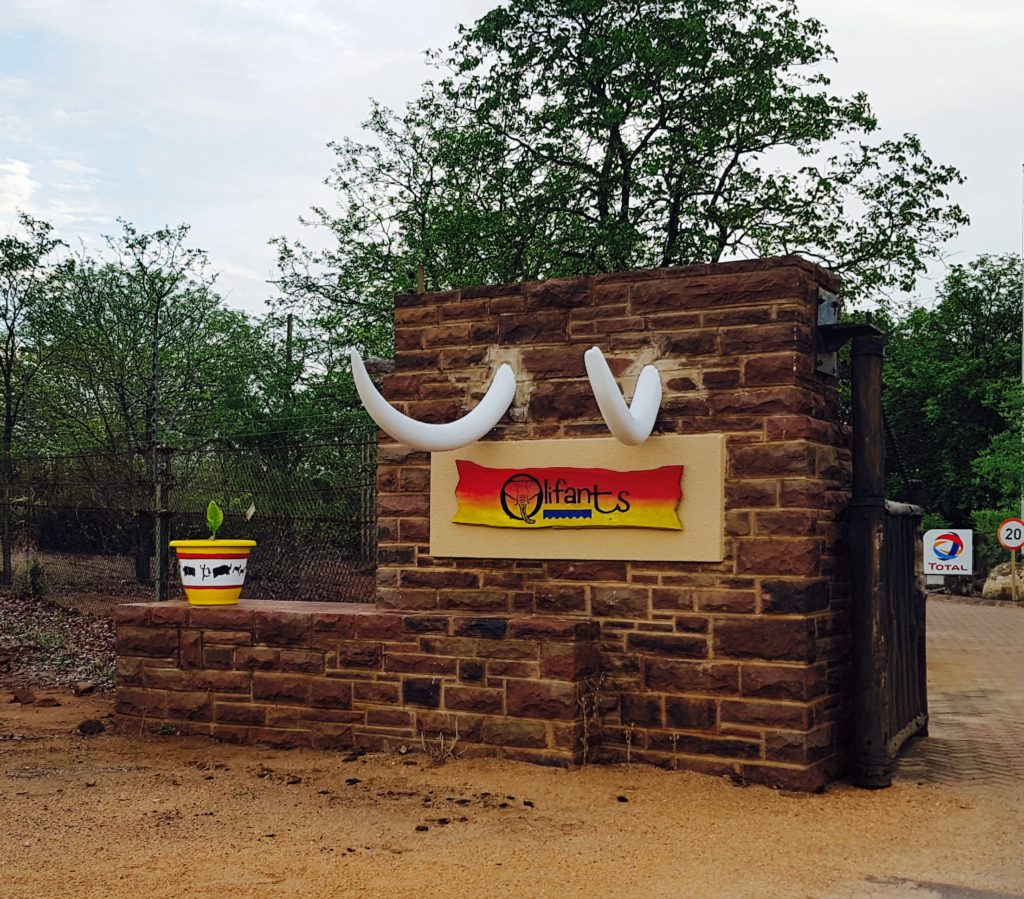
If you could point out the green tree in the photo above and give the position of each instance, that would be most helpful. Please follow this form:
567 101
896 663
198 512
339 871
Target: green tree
151 353
952 391
574 136
25 273
1000 465
150 356
296 394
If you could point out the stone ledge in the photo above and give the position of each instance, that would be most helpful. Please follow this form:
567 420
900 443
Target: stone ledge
179 611
365 620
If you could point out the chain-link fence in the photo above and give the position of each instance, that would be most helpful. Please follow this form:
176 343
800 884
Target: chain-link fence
85 529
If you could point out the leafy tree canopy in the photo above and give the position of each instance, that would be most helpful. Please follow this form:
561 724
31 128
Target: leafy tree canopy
565 137
953 394
148 352
25 310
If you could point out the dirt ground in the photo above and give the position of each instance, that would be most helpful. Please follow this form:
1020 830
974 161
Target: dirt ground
159 816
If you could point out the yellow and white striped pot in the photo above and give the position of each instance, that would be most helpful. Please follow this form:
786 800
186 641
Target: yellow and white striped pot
212 571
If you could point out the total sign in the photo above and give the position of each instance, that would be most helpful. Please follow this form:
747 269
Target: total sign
948 552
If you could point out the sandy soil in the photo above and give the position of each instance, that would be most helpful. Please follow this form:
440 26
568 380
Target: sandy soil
173 816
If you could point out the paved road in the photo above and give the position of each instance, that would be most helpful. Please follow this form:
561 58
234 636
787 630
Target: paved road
975 700
976 728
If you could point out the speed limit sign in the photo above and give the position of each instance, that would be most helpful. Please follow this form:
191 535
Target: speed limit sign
1011 533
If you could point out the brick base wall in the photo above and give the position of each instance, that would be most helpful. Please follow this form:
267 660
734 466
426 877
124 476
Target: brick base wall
332 675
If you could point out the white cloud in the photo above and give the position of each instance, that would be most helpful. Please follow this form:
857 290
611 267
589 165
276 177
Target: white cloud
14 88
17 187
73 167
62 192
216 114
926 16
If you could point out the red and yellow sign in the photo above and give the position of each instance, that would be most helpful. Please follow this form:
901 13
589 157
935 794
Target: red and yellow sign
568 497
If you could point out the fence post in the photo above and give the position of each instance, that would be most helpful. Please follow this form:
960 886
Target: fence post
162 487
368 500
871 763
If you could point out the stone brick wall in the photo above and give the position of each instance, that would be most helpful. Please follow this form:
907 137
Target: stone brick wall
716 664
331 676
735 668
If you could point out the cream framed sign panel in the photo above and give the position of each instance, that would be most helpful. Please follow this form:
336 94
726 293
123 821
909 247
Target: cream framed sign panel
701 509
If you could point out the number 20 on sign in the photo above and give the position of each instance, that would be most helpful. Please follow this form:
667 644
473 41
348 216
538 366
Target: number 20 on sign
1011 534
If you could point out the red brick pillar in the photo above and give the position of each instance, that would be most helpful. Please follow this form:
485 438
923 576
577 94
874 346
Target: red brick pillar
733 667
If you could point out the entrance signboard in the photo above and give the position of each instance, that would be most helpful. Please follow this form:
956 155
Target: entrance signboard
528 497
949 551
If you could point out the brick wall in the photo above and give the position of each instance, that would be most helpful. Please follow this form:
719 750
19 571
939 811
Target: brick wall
737 662
734 668
332 675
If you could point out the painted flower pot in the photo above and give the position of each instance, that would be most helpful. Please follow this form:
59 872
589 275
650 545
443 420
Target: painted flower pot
212 571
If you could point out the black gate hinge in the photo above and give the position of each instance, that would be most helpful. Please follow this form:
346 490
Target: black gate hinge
830 335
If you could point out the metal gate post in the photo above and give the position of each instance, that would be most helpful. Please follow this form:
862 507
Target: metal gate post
871 763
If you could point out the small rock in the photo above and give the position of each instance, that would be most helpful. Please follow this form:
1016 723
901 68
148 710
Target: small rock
443 821
352 781
23 695
90 783
324 792
83 688
90 727
622 798
47 702
293 779
264 771
422 828
527 803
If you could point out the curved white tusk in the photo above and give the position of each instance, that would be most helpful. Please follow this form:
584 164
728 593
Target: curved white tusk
436 438
631 425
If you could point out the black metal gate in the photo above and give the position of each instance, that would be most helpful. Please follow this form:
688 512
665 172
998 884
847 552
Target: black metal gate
904 624
890 702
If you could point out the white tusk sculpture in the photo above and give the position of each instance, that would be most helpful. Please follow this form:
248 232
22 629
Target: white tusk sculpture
436 438
629 425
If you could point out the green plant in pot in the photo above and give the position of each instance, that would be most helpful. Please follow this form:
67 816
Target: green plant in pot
213 570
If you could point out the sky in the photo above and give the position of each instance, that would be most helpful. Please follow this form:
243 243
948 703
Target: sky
217 112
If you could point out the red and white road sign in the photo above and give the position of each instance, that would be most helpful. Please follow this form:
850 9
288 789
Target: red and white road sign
1011 533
